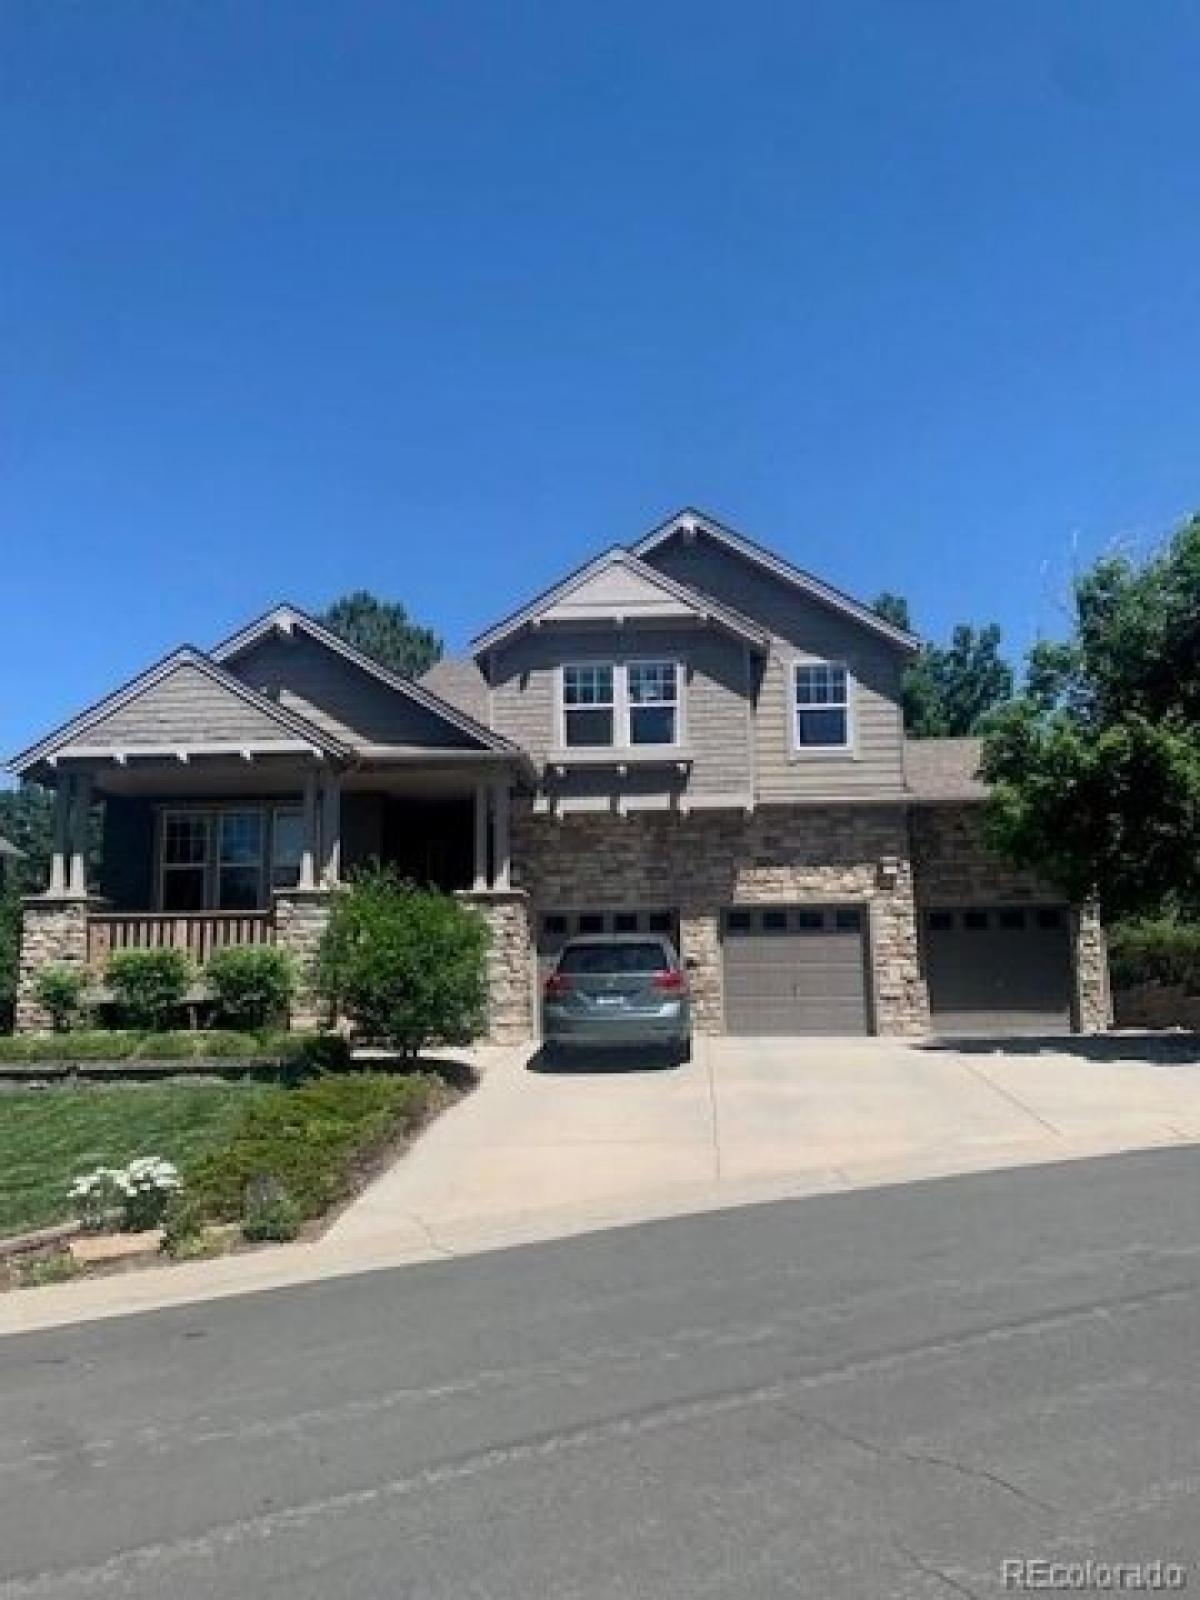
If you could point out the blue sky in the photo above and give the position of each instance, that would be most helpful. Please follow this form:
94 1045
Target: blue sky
438 299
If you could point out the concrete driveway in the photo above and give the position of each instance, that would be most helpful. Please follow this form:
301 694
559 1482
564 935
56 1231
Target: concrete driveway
534 1153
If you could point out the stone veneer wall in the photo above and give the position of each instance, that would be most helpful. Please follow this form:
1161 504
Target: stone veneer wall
706 860
300 919
53 933
511 962
954 866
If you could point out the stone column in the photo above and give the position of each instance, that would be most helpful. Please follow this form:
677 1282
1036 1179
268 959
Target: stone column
1092 998
300 918
511 963
54 932
700 946
901 993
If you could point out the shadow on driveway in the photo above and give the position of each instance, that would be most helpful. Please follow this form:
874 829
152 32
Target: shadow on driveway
601 1059
1158 1049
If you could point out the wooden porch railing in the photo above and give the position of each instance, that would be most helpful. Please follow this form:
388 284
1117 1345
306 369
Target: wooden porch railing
198 933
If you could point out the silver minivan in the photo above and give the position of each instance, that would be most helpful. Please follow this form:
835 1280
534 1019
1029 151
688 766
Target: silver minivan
621 990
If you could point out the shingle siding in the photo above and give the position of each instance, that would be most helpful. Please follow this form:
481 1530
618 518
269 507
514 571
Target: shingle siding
340 698
715 715
801 627
184 707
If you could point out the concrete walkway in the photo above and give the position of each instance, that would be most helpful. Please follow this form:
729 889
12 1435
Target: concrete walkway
535 1155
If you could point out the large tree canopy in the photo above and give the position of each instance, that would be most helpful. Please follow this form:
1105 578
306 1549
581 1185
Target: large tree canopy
1097 765
382 630
26 820
950 690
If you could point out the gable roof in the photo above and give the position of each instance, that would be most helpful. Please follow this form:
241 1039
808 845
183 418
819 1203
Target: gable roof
295 728
684 599
691 521
287 618
459 680
944 769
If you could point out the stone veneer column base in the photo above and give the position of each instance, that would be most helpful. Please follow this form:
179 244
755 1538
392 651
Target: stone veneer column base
301 916
1092 999
53 933
511 962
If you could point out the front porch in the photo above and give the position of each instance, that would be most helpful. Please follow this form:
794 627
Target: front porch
199 855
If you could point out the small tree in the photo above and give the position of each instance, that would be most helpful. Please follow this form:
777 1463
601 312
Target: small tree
59 990
252 985
149 986
405 965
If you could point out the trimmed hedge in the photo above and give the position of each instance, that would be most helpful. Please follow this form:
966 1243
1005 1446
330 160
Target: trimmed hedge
1160 951
309 1141
318 1052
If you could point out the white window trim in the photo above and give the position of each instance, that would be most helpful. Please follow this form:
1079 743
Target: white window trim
802 752
620 702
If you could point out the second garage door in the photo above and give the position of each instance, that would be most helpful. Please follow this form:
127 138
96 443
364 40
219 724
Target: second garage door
999 969
795 969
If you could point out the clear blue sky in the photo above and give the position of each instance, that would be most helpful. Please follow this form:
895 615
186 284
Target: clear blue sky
438 298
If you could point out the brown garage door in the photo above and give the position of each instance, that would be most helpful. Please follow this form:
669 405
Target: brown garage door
795 969
999 969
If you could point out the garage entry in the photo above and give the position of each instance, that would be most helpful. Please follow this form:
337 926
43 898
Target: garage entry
998 969
556 927
795 969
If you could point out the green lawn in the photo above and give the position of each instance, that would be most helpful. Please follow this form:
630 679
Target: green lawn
48 1137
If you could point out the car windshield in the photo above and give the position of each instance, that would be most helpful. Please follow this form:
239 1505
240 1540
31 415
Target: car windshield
585 960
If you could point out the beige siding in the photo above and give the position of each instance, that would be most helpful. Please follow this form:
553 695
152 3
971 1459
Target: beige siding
614 589
340 697
802 628
185 707
716 727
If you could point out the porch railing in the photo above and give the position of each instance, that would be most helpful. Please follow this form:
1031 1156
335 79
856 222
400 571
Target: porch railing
198 933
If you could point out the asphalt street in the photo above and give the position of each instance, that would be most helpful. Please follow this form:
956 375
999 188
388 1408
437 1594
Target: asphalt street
885 1393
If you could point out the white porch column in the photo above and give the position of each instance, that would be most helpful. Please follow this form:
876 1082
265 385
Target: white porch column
331 828
481 838
500 834
63 801
308 847
80 818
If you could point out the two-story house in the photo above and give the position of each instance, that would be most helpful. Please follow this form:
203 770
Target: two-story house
688 734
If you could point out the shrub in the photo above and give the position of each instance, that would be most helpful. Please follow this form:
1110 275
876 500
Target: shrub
1162 950
252 985
183 1224
59 989
58 1267
406 965
308 1055
269 1213
148 986
309 1140
142 1191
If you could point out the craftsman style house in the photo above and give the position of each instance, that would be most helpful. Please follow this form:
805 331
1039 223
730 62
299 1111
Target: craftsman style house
688 735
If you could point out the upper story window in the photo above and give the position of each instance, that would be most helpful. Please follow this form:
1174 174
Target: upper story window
589 710
653 702
821 706
620 705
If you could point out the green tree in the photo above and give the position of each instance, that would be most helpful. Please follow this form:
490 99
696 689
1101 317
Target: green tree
382 630
26 820
1096 768
950 690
